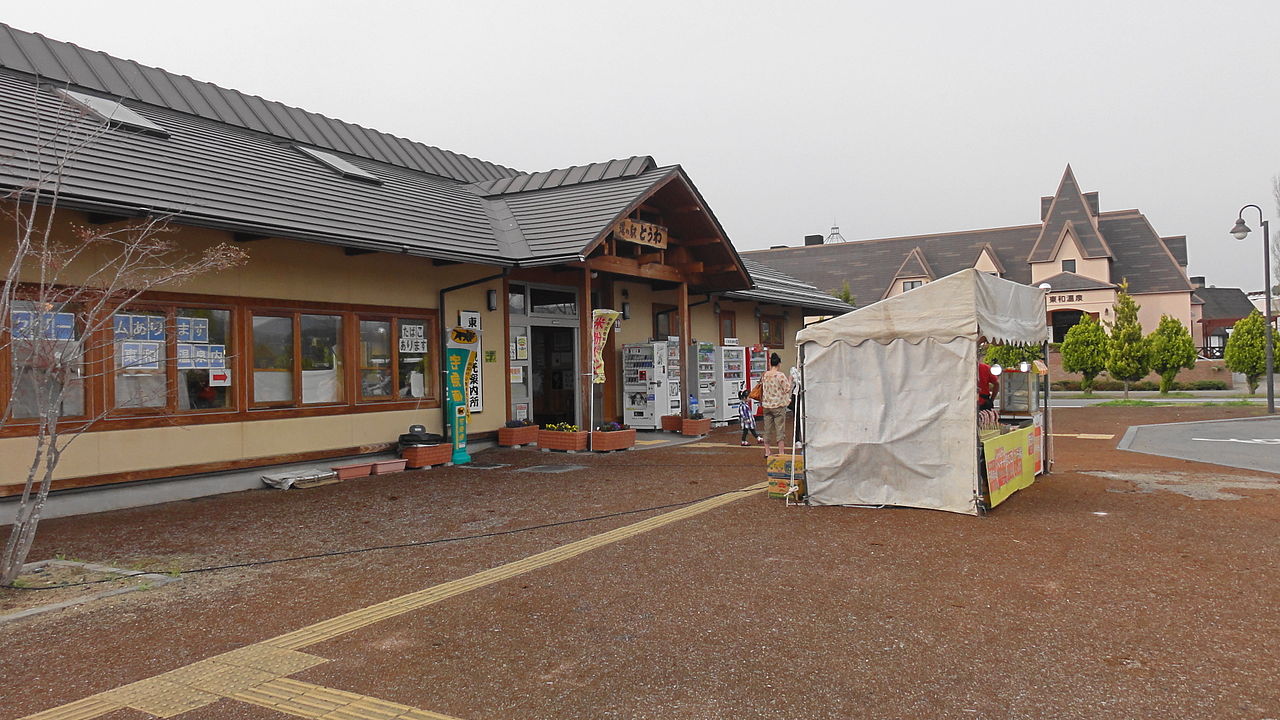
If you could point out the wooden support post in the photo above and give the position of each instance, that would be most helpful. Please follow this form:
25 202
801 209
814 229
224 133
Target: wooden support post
682 306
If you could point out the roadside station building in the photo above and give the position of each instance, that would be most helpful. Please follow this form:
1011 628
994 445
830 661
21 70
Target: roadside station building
365 250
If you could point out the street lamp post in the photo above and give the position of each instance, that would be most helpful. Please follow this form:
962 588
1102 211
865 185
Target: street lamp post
1240 232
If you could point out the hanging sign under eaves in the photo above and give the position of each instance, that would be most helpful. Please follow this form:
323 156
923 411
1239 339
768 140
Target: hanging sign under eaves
641 233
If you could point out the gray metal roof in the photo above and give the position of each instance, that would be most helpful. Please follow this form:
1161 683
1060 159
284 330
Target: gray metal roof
64 63
778 288
573 175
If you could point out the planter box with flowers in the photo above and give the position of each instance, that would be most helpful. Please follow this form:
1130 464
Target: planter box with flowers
671 423
562 436
695 424
517 433
420 456
613 436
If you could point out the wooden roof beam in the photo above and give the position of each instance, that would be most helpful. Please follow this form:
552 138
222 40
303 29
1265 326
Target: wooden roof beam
632 268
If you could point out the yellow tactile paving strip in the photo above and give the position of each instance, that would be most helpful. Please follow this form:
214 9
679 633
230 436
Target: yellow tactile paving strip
1085 436
315 701
256 673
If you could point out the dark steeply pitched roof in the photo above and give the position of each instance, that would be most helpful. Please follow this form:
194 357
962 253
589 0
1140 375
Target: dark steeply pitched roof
1139 256
915 265
1069 208
870 266
1177 247
1067 281
574 175
1224 303
774 287
65 63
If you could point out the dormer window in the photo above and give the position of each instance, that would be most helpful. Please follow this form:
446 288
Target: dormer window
343 168
911 284
1069 266
112 112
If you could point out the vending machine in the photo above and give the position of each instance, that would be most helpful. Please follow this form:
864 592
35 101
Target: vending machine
673 381
704 359
757 364
644 387
731 365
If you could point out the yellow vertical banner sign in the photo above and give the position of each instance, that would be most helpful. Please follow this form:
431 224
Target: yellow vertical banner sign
601 323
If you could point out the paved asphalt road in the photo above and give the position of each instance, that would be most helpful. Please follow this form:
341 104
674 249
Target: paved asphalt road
1250 443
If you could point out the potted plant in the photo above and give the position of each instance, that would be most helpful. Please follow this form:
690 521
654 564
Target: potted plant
420 456
671 423
562 436
517 433
695 424
613 436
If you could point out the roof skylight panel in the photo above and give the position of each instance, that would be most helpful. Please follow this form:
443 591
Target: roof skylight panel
113 112
342 167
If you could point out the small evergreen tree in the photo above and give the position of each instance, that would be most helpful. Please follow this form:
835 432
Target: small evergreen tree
1246 349
845 293
1011 355
1128 353
1084 351
1172 349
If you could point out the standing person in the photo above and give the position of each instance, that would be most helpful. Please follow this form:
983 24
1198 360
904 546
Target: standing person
748 419
775 397
988 386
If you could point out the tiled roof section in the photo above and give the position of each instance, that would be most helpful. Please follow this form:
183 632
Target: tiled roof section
1068 281
1069 206
559 223
778 288
991 253
1139 256
64 63
870 266
1177 247
1224 303
207 173
915 265
525 182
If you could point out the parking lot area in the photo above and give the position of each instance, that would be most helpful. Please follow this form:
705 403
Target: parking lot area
664 583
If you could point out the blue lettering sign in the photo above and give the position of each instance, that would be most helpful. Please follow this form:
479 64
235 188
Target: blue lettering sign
200 330
186 357
122 324
21 322
184 329
217 356
64 326
138 327
155 327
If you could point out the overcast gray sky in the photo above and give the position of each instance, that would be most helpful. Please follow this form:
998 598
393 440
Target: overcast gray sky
891 118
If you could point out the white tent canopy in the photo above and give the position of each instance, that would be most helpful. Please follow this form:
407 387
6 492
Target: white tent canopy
891 395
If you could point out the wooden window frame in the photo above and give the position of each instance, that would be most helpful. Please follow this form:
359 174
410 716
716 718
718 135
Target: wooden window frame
911 284
170 312
732 317
659 309
90 362
776 321
99 364
432 371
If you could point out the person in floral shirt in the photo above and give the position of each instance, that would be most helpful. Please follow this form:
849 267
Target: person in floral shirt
775 397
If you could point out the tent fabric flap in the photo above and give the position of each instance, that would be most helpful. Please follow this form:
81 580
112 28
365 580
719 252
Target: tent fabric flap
967 304
892 424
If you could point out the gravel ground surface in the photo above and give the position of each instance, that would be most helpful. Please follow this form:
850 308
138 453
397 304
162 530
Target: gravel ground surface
1082 597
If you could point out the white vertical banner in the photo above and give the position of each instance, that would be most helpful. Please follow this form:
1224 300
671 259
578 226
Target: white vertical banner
475 390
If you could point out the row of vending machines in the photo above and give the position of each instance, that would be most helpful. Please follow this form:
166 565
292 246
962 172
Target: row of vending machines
651 380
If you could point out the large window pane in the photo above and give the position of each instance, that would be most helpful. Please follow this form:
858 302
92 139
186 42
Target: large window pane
321 358
204 350
545 301
141 371
47 362
272 359
375 358
413 358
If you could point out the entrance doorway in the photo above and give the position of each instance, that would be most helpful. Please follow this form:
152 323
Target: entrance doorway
553 379
1064 320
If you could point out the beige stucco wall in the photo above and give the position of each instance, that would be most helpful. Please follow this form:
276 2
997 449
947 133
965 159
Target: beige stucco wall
1096 268
281 269
985 263
1153 305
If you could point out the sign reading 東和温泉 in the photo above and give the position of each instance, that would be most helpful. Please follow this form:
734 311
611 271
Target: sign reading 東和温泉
641 233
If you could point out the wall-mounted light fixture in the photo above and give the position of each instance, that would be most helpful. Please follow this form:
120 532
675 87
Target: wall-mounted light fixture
626 311
491 299
758 312
716 307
